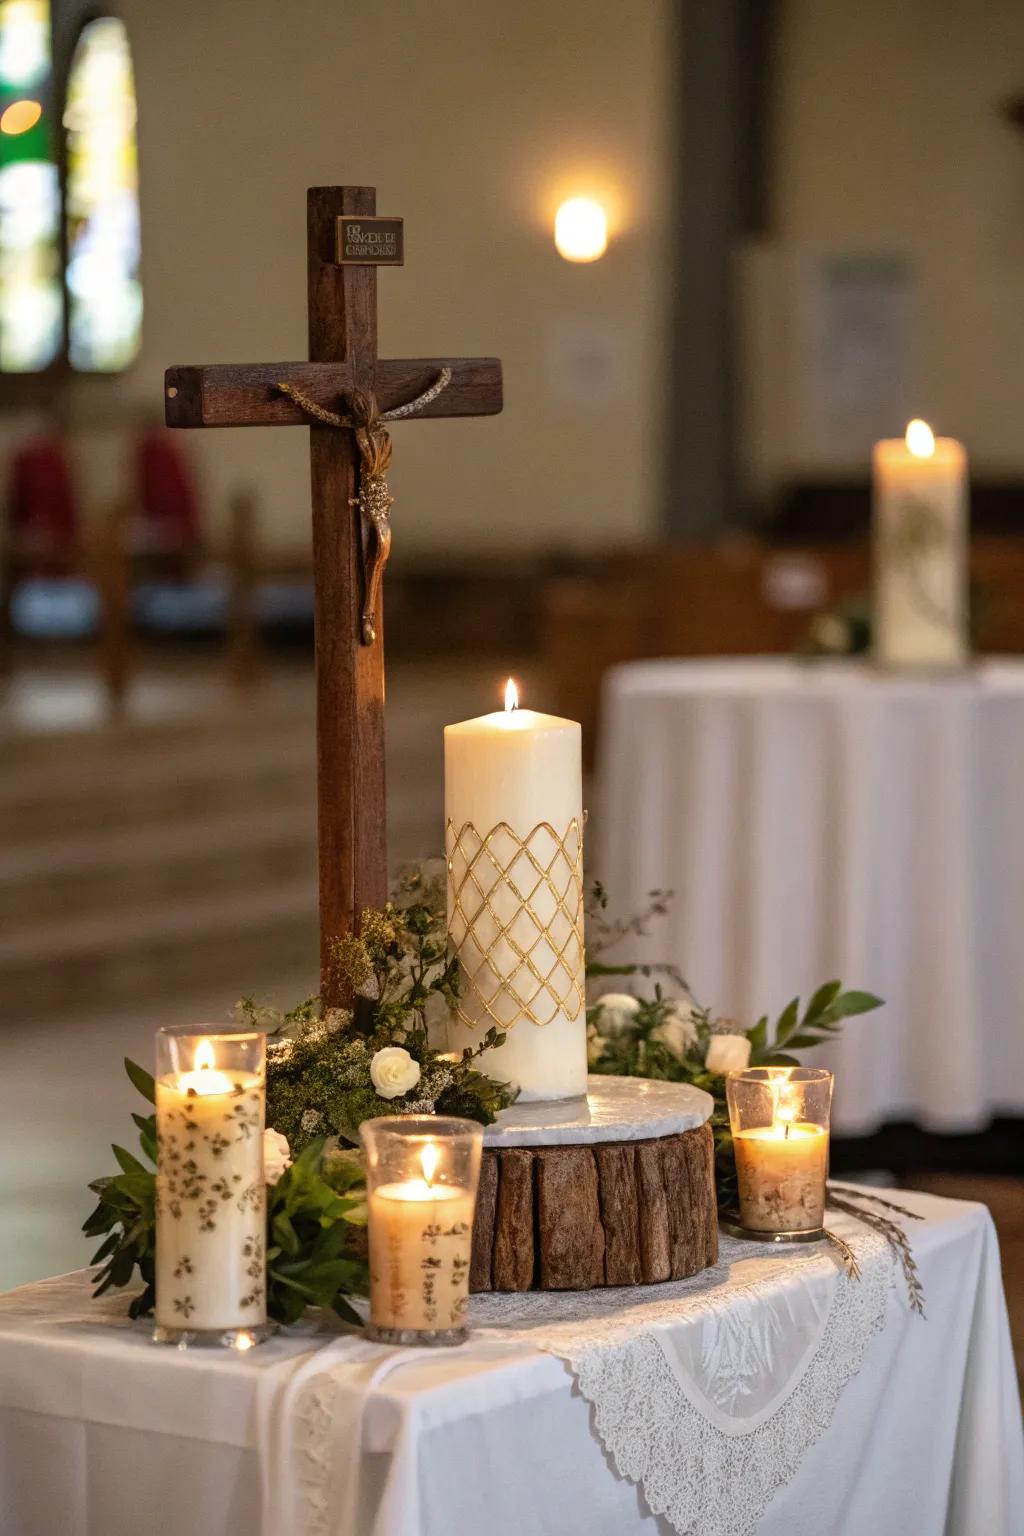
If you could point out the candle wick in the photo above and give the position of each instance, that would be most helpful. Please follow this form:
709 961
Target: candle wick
785 1132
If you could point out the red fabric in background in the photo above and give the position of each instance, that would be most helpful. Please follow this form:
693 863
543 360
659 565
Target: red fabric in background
42 506
168 499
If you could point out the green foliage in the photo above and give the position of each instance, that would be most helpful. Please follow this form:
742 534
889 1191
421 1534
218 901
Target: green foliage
312 1257
603 934
125 1214
314 1213
398 972
639 1050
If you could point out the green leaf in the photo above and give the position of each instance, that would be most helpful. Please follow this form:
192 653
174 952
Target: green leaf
787 1022
824 996
129 1163
848 1004
141 1079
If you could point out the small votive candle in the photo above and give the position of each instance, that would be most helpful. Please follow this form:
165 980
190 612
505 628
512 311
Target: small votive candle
211 1224
780 1128
422 1175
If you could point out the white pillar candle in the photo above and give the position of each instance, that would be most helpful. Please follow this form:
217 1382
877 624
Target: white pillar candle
514 842
210 1196
920 550
420 1244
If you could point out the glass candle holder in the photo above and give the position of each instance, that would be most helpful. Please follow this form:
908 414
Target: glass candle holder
211 1222
780 1127
422 1176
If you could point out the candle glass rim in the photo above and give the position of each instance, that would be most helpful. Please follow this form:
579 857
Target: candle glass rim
411 1126
208 1032
780 1074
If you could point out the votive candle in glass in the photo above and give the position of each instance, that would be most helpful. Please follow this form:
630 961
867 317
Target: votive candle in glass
780 1129
422 1175
211 1284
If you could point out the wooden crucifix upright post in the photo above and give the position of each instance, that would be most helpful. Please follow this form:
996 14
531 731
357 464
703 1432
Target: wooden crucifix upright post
342 388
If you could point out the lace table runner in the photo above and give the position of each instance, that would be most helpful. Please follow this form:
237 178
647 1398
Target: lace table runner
707 1392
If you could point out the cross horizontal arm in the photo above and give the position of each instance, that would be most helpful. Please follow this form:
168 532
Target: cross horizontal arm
243 394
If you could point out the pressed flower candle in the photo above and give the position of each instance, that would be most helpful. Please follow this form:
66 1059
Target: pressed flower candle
210 1191
422 1174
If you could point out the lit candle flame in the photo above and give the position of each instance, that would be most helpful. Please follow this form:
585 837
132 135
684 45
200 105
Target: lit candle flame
429 1159
920 439
205 1058
786 1106
511 697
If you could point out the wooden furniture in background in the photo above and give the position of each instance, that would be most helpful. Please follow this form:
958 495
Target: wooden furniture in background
110 559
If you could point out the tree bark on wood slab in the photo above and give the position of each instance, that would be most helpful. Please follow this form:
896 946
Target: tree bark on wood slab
570 1218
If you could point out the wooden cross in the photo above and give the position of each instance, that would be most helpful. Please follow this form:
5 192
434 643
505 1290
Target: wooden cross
349 665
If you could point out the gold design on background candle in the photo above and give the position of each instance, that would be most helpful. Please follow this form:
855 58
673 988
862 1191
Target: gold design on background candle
517 922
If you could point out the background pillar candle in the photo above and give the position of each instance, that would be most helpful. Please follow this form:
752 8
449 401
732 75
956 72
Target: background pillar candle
920 550
514 844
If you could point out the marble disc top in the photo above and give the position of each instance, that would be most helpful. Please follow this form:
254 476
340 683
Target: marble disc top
615 1109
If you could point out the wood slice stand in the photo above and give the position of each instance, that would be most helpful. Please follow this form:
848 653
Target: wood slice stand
618 1193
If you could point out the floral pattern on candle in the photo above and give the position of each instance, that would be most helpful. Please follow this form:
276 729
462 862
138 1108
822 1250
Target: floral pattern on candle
210 1199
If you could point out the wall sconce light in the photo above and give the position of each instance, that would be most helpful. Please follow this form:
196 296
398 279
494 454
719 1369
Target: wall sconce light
581 230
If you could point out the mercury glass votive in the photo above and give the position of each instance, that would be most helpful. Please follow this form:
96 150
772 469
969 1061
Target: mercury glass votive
780 1129
211 1282
422 1176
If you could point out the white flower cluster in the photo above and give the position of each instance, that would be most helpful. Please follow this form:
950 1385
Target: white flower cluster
614 1015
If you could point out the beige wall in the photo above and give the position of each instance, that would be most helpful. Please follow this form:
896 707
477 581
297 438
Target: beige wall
472 118
890 137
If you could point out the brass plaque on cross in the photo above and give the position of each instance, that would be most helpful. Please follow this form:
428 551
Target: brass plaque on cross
367 241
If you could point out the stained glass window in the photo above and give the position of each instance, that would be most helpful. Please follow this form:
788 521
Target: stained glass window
102 201
31 297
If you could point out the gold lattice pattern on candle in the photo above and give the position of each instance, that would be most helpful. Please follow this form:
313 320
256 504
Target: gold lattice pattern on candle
515 918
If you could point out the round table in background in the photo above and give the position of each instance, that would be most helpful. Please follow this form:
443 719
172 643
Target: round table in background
819 820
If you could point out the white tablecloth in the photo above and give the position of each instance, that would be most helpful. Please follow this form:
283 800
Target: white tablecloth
103 1434
824 820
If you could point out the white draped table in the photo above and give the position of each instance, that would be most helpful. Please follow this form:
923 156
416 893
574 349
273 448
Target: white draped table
770 1394
820 820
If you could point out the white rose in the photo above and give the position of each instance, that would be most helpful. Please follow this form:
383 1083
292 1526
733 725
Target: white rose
393 1072
616 1012
276 1155
595 1046
678 1030
728 1053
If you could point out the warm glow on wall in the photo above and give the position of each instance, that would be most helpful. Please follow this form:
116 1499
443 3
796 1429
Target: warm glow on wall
581 230
20 116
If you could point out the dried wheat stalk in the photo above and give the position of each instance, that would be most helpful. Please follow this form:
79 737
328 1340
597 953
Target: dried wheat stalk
894 1236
